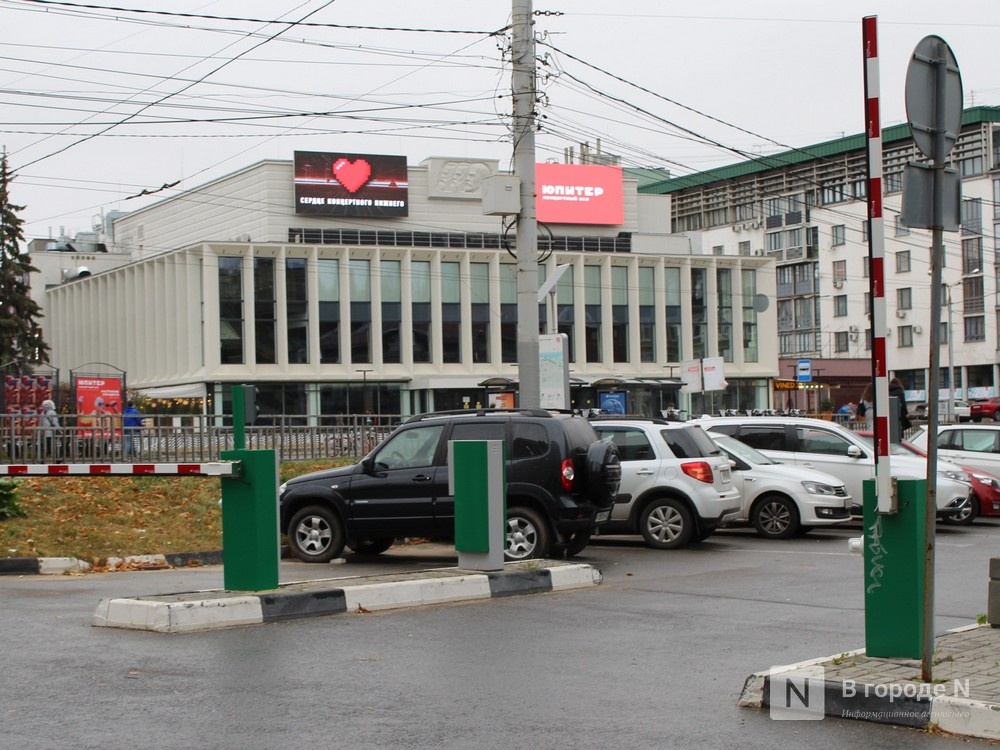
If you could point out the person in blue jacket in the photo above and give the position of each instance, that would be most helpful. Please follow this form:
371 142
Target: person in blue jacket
131 427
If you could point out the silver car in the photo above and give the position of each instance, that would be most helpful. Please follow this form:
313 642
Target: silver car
676 485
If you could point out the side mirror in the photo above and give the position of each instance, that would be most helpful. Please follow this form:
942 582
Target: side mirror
855 452
368 465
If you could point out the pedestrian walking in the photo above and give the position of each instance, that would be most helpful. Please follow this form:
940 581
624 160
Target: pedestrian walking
132 429
48 426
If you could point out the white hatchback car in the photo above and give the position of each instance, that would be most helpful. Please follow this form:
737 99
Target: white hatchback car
676 485
781 500
833 449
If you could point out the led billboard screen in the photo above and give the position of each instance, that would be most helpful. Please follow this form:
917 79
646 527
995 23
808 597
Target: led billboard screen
335 184
579 194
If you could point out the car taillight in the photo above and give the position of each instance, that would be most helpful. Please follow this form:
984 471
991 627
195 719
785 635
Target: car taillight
567 474
699 470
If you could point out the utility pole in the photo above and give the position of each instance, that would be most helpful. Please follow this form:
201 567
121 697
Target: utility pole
523 126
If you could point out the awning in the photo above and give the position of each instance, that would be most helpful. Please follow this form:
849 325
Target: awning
187 390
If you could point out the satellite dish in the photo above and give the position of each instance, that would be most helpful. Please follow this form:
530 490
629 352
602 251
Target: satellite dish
761 302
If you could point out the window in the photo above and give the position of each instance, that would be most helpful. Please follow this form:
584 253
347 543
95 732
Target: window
265 323
231 311
718 250
902 261
390 272
840 342
647 315
361 310
839 235
479 290
904 298
744 247
893 182
901 229
451 312
633 445
975 329
529 440
859 188
840 306
839 271
864 230
328 273
592 308
724 294
833 193
619 313
972 255
972 215
410 449
672 289
420 284
905 338
297 309
822 442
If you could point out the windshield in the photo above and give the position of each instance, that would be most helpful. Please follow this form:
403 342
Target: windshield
895 449
741 450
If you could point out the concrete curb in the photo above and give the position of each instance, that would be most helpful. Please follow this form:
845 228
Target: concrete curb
210 610
62 565
897 703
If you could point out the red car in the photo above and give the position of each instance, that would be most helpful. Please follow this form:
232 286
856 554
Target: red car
985 487
988 407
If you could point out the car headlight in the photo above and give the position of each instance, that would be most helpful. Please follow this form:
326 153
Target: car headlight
818 488
957 474
282 487
988 481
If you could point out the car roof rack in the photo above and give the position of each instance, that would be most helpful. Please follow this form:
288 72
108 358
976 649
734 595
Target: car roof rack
630 418
481 412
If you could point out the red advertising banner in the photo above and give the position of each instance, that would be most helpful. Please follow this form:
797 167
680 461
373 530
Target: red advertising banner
336 184
579 194
97 400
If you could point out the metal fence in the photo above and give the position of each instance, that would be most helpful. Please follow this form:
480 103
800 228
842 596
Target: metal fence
185 438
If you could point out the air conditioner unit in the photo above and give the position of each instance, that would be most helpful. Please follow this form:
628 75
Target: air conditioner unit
758 252
918 329
853 336
888 332
837 283
853 329
901 314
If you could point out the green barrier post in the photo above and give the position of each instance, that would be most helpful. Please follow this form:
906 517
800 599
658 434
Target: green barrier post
478 483
250 548
894 572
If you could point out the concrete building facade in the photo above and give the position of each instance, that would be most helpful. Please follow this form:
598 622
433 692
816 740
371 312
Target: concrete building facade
227 283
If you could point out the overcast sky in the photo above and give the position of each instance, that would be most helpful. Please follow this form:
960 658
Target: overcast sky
101 105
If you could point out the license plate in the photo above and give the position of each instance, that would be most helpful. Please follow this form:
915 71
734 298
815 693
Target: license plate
604 515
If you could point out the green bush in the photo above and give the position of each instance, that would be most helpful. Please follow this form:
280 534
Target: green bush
9 507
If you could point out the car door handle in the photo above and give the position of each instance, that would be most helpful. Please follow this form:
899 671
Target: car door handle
644 473
421 478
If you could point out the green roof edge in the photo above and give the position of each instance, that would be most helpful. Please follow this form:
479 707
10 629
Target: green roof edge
798 156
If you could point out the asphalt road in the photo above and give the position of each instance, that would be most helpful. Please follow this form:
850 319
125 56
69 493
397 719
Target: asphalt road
654 657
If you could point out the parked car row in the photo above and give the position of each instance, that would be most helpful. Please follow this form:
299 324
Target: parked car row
674 483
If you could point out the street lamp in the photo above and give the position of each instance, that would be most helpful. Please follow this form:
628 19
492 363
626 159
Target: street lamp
951 347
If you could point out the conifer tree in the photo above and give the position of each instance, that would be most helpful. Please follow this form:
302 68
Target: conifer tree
21 341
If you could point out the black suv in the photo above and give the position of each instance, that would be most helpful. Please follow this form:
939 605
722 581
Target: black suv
561 482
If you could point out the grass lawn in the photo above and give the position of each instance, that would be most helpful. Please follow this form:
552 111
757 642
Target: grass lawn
92 518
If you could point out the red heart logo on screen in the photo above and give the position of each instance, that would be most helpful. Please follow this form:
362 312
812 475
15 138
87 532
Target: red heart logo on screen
352 174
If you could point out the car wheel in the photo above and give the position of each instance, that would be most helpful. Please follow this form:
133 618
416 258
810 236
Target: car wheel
372 546
967 516
604 473
527 535
666 524
776 517
976 419
316 534
996 416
